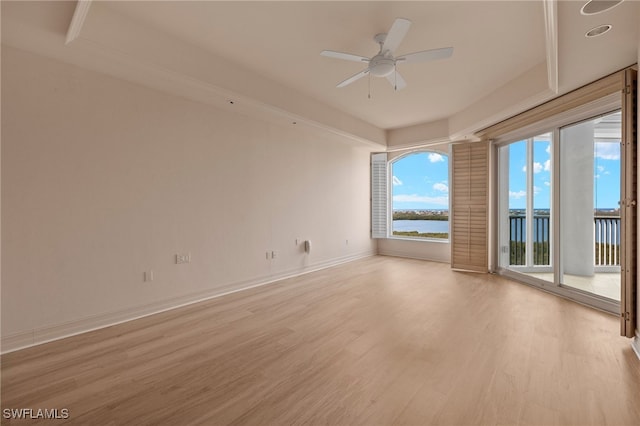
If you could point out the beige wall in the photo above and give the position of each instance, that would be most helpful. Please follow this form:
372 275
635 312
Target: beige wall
103 180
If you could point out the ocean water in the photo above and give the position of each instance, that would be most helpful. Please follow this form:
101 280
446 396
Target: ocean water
422 226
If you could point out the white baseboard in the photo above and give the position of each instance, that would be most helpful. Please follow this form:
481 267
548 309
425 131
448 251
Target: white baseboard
53 332
411 255
635 344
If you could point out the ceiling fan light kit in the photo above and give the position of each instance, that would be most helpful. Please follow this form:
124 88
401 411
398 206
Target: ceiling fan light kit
381 66
384 63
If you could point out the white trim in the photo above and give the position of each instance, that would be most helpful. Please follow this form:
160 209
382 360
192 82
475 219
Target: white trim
551 39
79 16
419 239
53 332
410 255
529 208
423 144
635 343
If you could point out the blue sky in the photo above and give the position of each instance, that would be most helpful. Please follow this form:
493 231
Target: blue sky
606 175
421 181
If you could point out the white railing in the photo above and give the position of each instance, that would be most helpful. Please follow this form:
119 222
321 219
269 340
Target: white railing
606 231
607 236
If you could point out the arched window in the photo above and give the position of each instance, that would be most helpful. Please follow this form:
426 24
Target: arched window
420 196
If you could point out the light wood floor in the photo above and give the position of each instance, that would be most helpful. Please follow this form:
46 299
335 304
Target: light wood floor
378 341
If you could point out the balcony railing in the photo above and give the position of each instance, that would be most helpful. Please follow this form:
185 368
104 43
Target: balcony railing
606 233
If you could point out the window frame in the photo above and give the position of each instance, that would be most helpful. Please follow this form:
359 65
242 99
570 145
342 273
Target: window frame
391 159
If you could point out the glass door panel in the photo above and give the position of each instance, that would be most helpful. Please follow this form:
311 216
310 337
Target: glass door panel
589 206
525 207
542 201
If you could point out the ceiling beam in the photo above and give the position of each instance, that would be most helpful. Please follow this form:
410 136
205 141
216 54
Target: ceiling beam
551 38
79 16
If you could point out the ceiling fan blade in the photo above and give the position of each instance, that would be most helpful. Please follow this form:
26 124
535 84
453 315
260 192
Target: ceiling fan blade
345 56
396 80
427 55
396 35
354 78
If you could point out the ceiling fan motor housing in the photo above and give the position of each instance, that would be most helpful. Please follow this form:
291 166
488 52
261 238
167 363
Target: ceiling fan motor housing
384 63
381 66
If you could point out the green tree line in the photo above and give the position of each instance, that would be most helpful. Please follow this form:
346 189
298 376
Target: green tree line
418 216
421 234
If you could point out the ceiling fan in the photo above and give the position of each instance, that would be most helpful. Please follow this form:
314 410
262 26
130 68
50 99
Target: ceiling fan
384 64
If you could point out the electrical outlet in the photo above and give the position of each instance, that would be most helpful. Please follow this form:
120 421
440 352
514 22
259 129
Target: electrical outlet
148 276
183 258
274 254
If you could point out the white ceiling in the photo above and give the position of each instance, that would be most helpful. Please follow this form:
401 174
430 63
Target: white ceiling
583 59
283 41
270 52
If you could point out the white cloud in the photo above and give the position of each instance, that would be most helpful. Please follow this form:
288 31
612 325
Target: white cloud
547 183
537 167
415 198
435 158
396 181
600 169
548 150
547 166
597 176
536 190
440 186
517 195
607 150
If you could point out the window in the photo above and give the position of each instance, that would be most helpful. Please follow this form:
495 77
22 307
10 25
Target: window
420 196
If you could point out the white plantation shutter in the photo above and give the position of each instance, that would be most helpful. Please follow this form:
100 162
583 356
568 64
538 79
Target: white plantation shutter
379 195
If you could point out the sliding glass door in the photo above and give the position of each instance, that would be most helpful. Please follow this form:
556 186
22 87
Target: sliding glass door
558 208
